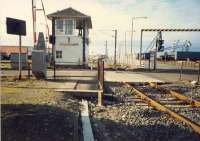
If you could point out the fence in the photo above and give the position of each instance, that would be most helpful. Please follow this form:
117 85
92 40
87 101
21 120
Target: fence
14 65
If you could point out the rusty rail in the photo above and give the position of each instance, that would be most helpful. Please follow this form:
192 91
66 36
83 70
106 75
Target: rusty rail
192 102
164 109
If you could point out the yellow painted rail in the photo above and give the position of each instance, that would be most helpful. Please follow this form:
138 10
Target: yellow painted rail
162 108
192 102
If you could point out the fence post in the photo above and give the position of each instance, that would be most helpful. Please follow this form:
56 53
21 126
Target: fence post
99 98
100 81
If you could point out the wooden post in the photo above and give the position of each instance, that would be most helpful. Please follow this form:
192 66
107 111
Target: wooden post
100 81
99 98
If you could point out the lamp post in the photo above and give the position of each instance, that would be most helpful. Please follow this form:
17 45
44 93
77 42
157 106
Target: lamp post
134 18
115 62
125 47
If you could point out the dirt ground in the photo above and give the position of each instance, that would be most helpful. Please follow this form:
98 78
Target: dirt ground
31 113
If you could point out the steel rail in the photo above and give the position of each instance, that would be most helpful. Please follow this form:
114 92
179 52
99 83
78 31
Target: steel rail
192 102
164 109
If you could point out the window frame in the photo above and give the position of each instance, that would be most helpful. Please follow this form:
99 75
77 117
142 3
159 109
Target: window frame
58 54
61 30
73 26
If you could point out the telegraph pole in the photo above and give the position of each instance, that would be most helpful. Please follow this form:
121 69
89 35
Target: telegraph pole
115 62
119 50
125 53
132 38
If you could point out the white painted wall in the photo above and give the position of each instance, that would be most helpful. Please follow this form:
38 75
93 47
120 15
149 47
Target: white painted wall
71 47
72 52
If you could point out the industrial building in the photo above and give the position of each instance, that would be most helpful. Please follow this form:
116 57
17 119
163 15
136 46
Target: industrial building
6 50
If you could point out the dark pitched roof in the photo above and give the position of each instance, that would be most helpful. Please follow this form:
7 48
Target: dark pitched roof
70 13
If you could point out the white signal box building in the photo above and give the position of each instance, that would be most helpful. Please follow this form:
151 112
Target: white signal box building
71 30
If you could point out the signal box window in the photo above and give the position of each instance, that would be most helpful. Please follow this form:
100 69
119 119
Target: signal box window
59 27
58 54
69 27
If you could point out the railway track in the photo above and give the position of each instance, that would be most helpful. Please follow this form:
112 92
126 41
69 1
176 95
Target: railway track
128 117
178 106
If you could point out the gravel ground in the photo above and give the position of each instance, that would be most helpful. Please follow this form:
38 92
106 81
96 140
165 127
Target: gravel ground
128 120
191 113
30 114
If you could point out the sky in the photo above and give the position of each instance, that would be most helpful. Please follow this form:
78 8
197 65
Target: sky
108 15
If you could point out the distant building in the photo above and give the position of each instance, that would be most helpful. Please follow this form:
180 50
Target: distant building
71 30
12 49
6 50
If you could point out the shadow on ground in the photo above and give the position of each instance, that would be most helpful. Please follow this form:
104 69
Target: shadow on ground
107 130
185 71
27 122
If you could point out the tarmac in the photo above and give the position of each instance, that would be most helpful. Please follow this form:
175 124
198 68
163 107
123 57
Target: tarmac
138 75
